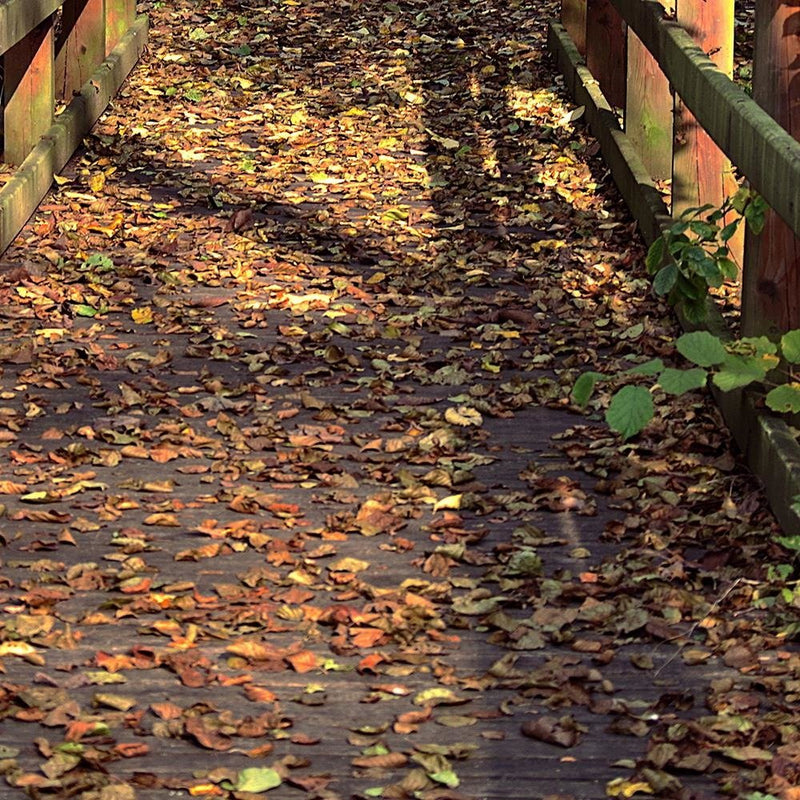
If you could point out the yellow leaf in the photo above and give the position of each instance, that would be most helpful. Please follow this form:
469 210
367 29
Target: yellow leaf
464 416
97 182
142 316
348 565
451 502
620 787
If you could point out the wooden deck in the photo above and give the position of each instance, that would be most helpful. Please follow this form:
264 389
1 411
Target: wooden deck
269 536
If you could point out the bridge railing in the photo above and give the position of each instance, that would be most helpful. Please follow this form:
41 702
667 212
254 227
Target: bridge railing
666 71
62 62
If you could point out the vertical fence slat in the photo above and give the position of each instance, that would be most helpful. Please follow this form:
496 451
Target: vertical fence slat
605 49
119 17
771 281
573 18
701 171
28 92
80 45
648 110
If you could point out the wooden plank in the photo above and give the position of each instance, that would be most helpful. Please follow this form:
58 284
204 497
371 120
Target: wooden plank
573 18
605 49
701 172
20 196
80 46
648 110
28 92
119 17
19 17
766 154
771 281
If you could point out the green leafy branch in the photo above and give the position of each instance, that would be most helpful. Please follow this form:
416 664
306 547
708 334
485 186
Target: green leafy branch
693 254
728 364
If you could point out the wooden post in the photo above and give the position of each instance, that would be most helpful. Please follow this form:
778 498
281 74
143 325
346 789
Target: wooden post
771 281
573 18
120 15
605 49
701 173
649 108
28 92
80 46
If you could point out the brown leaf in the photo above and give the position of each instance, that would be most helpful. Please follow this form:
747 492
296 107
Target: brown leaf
205 736
553 731
385 761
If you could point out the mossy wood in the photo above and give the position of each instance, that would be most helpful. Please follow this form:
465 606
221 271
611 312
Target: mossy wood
573 18
605 49
19 17
119 17
80 45
771 290
28 92
765 153
648 110
702 173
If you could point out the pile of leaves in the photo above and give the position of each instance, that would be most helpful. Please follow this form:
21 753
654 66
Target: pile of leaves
294 496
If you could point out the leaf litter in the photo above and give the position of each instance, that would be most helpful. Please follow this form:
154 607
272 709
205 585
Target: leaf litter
295 497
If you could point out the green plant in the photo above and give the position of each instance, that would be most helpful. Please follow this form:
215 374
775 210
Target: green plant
695 249
730 365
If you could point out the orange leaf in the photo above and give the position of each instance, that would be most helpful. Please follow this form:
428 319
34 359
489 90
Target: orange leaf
304 661
131 749
366 637
166 710
259 694
370 662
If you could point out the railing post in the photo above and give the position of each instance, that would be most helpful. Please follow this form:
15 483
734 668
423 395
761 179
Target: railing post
573 18
701 172
771 281
649 108
120 15
80 46
605 49
28 92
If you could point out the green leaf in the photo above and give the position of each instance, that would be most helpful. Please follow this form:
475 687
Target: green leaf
630 410
755 214
790 542
784 398
701 348
665 279
655 254
680 381
445 776
584 387
728 268
84 310
757 345
257 779
790 346
737 372
652 367
727 232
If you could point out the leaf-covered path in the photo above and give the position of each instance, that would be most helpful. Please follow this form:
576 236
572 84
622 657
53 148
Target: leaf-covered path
294 497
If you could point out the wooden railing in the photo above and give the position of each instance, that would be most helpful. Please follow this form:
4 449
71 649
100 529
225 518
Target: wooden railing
65 56
667 72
